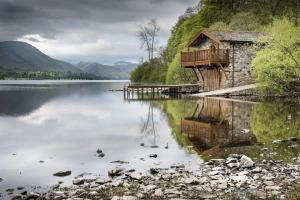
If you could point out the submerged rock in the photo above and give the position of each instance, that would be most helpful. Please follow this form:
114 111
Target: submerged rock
154 171
120 162
115 172
78 181
99 151
62 173
153 155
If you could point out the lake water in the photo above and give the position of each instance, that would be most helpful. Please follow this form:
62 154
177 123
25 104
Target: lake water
50 126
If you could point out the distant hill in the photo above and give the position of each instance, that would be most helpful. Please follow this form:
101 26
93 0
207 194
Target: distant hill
125 66
119 70
21 56
18 56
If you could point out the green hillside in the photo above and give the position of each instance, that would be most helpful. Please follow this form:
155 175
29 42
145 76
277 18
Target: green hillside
216 14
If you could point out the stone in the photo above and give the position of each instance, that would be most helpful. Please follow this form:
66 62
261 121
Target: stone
135 175
117 183
246 162
153 155
256 170
149 188
78 181
62 173
276 141
273 187
120 162
292 139
239 178
1 179
99 151
101 155
115 172
154 171
245 131
192 181
233 165
33 195
158 193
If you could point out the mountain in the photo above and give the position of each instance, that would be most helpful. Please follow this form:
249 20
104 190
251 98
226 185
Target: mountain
125 66
21 56
119 70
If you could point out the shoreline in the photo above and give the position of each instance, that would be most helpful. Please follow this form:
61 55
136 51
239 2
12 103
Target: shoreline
234 177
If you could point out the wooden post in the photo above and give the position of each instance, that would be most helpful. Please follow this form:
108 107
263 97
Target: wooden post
209 56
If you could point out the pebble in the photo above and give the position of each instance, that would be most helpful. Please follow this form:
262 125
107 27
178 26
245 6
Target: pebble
62 173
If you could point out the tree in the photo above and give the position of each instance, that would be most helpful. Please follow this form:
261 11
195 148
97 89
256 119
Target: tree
148 35
276 65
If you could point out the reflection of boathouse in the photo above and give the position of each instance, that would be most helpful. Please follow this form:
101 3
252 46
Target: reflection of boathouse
218 124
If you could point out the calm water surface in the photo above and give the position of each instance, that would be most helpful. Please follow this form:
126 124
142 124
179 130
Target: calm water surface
64 123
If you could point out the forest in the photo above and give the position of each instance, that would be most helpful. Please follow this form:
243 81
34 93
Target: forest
278 20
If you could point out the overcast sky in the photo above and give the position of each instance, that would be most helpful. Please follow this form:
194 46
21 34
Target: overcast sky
87 30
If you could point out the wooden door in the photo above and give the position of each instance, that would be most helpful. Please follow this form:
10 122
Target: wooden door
212 79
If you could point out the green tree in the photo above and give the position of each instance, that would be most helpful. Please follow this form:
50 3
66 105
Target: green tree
276 65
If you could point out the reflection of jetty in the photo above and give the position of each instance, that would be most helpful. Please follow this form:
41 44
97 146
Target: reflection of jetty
158 92
215 124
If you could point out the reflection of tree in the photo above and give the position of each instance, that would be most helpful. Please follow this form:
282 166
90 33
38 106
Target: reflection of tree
148 125
276 121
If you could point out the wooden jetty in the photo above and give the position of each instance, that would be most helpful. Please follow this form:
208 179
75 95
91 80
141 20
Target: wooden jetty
158 91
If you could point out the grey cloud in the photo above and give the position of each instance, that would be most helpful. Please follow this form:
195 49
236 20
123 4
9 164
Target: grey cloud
89 19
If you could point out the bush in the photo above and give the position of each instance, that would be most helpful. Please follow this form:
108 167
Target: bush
277 64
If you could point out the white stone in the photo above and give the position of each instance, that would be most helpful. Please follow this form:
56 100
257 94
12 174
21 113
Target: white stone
246 162
135 175
158 192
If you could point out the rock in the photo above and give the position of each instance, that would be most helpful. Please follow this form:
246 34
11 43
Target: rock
233 165
120 162
215 161
135 175
59 193
100 181
142 144
16 197
9 190
99 151
246 162
117 183
62 173
154 171
24 193
115 172
1 179
101 155
124 198
239 178
33 195
41 161
277 142
149 188
153 155
192 181
256 170
20 188
158 193
245 131
292 139
78 181
273 187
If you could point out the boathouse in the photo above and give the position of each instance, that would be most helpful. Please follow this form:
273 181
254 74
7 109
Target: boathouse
220 59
